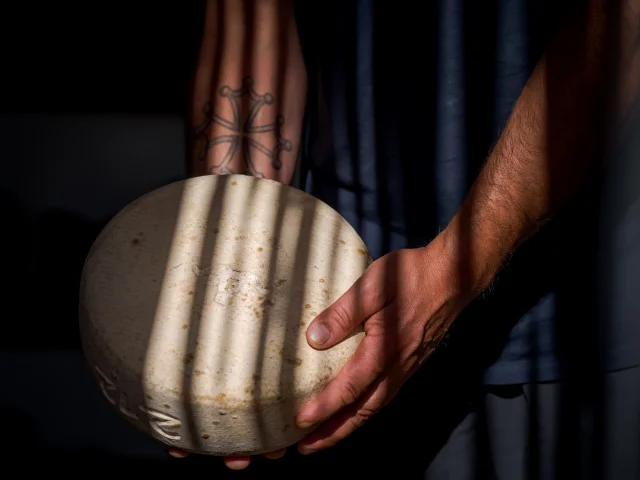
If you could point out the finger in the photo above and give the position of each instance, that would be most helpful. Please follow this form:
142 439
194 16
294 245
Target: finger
353 380
237 463
348 420
275 455
177 453
363 299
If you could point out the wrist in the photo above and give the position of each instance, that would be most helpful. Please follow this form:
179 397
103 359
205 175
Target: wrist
473 255
497 216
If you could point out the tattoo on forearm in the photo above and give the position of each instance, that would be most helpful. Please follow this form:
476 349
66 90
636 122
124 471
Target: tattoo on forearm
243 133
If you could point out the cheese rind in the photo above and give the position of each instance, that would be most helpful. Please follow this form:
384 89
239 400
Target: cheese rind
194 304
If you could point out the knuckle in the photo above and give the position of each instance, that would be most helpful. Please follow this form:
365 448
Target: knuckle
348 393
380 363
367 285
341 318
378 359
361 416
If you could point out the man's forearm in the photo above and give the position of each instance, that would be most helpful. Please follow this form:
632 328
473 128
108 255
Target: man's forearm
546 152
249 91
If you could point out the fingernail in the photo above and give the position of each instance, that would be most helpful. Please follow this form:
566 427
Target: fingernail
306 417
306 450
304 423
319 334
311 447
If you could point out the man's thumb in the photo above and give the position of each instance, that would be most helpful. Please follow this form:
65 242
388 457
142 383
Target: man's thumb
336 322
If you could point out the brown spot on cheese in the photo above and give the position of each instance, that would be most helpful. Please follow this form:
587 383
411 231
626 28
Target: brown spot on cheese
205 435
166 405
260 298
185 326
259 249
190 292
342 242
234 183
361 251
198 372
194 237
314 314
307 306
321 280
244 299
148 396
293 361
221 398
188 358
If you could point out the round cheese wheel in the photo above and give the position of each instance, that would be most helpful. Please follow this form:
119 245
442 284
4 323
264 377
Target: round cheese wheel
194 305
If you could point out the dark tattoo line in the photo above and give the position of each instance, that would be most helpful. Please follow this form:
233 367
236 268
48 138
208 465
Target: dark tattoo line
242 130
231 152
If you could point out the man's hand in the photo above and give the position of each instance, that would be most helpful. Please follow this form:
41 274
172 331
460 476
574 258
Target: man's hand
406 302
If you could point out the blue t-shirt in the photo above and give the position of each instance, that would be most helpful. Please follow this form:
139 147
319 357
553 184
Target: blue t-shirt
404 107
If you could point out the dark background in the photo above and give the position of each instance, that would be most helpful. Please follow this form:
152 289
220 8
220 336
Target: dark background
91 116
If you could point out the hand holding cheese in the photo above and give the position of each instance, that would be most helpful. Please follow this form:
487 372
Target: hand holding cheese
406 302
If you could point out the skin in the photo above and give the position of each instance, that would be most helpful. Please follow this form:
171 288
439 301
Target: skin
248 91
547 151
